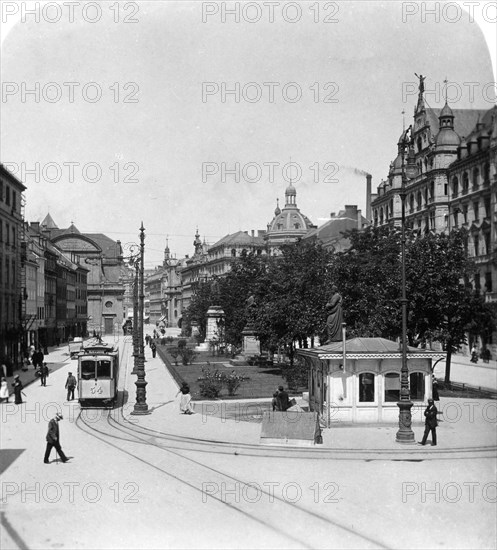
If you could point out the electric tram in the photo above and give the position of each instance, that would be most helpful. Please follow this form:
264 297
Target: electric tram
98 375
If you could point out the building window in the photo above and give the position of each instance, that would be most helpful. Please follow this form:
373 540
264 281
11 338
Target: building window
445 188
455 187
487 207
392 386
7 195
366 387
477 282
488 281
476 175
417 386
465 213
486 174
465 183
432 191
233 252
486 237
420 202
477 245
411 201
476 208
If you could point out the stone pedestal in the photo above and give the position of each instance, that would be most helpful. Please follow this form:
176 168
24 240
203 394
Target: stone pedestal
215 314
251 345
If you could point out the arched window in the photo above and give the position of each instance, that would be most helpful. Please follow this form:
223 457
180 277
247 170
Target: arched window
432 190
411 200
420 144
465 183
426 195
420 202
486 174
455 187
476 176
417 386
366 387
392 386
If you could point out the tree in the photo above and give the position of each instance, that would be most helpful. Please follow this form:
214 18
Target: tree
441 305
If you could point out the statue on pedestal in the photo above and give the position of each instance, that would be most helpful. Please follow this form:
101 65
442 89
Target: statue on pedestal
335 317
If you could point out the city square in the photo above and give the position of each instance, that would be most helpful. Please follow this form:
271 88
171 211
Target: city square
248 275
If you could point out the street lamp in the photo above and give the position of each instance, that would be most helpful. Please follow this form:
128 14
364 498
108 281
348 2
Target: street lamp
134 261
141 406
405 433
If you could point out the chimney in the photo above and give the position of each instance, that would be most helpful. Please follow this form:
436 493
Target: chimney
368 197
351 211
252 233
35 226
359 220
332 214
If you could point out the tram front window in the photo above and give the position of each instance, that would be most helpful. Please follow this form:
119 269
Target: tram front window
104 369
87 370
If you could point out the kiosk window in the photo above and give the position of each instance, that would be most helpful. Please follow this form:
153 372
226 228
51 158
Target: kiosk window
366 387
87 370
417 386
392 386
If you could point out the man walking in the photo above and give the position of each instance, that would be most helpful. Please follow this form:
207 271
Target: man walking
53 439
431 423
70 385
43 374
18 387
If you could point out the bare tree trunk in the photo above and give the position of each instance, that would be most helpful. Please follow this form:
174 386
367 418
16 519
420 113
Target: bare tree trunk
447 363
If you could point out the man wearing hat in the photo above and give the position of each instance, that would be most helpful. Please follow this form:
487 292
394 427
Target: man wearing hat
53 439
70 385
431 423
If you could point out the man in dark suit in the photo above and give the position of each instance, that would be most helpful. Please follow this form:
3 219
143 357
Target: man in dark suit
53 439
283 401
43 374
431 423
70 386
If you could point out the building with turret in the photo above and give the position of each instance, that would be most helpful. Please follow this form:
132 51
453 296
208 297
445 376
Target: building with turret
449 164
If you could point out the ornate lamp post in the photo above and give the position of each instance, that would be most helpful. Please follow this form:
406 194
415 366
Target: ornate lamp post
141 406
134 261
405 433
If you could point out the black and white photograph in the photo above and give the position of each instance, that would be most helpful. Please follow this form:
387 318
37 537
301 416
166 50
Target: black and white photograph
248 274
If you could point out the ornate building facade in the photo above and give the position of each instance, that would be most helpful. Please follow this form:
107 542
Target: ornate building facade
451 181
103 257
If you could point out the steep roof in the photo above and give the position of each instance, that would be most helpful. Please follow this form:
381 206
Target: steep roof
464 119
48 222
239 238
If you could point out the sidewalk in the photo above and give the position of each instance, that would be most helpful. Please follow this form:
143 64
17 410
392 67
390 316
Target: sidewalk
55 359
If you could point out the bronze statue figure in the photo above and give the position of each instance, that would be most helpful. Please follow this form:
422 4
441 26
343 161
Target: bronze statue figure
335 317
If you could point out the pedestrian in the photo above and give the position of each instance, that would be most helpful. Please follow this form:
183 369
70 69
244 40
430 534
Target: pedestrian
53 439
147 340
274 401
4 391
474 354
4 371
17 385
43 374
283 399
431 423
185 404
70 385
153 347
435 388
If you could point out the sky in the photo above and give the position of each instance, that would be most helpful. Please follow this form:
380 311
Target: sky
129 120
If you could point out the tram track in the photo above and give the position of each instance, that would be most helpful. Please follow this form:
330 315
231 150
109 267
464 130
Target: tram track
285 518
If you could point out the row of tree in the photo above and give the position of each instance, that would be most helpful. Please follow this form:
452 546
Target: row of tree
284 297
